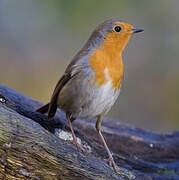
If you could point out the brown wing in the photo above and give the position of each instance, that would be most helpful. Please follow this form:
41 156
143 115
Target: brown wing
73 69
53 102
51 107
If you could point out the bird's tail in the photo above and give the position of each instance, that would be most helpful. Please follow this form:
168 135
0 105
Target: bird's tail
43 109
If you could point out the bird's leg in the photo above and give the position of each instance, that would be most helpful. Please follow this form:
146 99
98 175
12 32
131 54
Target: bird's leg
70 120
98 128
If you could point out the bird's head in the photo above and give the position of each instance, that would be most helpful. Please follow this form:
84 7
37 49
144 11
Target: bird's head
113 33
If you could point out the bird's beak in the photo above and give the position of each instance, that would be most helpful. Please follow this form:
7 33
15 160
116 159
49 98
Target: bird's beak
136 30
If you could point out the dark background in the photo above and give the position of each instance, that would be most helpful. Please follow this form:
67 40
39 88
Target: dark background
38 38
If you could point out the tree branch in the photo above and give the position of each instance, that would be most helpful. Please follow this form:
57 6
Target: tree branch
31 147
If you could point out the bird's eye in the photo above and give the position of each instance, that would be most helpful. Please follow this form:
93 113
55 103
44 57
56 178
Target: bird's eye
117 28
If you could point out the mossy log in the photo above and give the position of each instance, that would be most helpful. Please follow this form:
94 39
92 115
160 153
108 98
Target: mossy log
33 147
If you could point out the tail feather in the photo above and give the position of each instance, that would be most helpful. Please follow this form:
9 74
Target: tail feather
43 109
52 110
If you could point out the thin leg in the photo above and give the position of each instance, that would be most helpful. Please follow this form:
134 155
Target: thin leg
70 120
98 128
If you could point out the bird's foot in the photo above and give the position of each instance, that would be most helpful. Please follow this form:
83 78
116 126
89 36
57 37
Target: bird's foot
111 162
79 146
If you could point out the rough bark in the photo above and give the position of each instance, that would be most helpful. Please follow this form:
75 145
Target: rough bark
33 147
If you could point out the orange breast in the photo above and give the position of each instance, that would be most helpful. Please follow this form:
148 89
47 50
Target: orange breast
108 56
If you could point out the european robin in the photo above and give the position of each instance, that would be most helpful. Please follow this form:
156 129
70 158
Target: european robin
92 81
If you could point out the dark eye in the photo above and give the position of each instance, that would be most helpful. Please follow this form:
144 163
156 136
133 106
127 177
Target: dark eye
117 28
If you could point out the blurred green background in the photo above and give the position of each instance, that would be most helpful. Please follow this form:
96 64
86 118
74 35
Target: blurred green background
38 38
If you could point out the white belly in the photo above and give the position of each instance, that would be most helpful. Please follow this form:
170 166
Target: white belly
104 98
83 99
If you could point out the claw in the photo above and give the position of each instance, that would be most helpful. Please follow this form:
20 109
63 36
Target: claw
78 146
111 162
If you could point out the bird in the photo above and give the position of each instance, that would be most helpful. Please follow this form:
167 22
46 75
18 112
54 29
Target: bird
92 81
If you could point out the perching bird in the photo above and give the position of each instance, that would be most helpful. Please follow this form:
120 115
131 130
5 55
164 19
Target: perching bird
92 81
